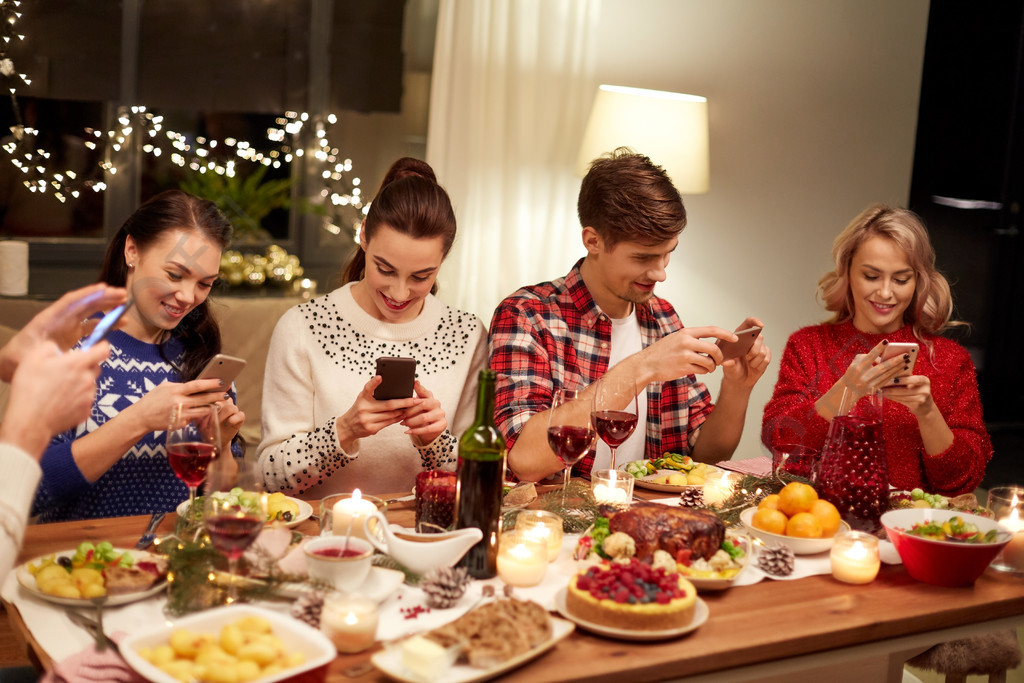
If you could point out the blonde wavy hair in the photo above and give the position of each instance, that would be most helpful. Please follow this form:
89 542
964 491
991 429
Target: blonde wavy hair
931 309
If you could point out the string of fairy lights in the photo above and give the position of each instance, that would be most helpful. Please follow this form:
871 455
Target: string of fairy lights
295 135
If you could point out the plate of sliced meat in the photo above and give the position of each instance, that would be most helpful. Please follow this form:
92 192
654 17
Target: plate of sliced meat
133 575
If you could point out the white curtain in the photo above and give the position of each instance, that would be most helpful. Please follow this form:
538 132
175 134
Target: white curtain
512 87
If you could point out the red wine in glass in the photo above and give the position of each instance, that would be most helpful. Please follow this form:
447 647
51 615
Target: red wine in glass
231 534
570 443
570 435
613 426
189 461
615 411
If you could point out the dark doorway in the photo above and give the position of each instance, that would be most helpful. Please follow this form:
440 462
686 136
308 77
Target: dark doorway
968 185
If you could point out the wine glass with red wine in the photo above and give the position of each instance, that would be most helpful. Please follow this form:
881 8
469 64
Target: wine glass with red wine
569 432
615 412
193 441
234 512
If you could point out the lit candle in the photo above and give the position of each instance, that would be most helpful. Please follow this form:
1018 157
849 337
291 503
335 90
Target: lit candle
717 489
1007 504
350 622
611 487
854 557
543 525
351 511
522 559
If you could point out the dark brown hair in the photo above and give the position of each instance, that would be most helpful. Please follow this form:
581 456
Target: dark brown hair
174 210
626 197
411 202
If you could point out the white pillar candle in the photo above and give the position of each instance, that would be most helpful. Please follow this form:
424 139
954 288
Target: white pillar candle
1007 504
522 559
718 489
854 557
543 525
1013 553
350 622
351 511
13 268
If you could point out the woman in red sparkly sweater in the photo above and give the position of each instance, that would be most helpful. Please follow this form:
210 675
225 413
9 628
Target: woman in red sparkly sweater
885 288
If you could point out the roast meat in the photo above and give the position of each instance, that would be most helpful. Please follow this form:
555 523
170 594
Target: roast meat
660 527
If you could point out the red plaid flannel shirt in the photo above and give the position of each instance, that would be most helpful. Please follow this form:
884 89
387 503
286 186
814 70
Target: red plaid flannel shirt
553 335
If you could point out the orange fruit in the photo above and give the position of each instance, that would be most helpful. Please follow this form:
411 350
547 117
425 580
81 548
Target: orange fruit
803 525
828 515
796 497
767 519
770 501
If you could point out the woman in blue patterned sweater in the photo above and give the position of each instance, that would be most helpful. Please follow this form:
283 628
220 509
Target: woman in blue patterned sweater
167 256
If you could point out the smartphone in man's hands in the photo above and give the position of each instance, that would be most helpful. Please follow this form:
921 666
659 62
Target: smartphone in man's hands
106 325
742 345
398 375
223 367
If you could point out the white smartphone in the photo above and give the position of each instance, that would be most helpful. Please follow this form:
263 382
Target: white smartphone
224 367
893 349
105 325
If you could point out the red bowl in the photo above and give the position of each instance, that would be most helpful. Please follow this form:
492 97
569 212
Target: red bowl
942 563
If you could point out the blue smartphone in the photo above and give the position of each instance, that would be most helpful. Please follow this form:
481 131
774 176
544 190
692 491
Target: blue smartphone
105 325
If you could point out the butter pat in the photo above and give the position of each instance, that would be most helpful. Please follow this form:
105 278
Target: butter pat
425 658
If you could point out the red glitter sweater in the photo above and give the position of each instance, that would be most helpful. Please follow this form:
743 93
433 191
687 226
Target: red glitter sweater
815 357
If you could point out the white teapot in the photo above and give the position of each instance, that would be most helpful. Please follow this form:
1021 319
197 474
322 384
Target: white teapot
419 552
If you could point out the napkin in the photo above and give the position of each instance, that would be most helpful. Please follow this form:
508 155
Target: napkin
759 466
92 665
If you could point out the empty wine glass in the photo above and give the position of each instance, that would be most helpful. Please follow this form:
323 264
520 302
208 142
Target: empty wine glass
234 512
569 432
615 412
193 441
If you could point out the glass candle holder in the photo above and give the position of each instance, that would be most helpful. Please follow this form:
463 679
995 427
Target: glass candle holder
718 488
611 487
544 525
522 559
343 513
794 459
435 501
350 622
854 557
1007 504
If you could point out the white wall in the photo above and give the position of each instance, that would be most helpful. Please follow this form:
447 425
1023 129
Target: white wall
813 110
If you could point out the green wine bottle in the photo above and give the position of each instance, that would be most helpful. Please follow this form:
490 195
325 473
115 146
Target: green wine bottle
481 476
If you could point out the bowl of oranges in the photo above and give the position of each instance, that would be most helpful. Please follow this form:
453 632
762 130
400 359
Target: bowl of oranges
795 517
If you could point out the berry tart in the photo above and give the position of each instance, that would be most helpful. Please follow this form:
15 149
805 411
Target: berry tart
631 595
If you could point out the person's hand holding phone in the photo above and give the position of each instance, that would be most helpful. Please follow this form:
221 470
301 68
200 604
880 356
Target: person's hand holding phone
688 351
154 408
367 415
426 420
748 357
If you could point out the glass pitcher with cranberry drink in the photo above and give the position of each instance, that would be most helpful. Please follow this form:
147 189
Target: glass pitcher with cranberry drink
853 474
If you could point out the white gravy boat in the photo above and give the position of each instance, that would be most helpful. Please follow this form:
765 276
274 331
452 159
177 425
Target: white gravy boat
418 552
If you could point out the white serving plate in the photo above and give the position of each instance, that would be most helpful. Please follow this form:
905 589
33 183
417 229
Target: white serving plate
799 546
28 582
717 583
389 660
294 634
646 482
305 510
700 615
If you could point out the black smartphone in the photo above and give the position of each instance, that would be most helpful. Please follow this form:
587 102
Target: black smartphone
741 346
105 325
223 367
399 375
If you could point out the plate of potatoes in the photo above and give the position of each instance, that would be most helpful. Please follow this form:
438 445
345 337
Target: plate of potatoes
54 579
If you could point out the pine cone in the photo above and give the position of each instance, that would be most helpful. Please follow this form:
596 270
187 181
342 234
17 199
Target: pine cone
692 497
776 560
444 586
308 608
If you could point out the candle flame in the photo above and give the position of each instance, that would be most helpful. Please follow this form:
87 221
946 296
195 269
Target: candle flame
520 551
352 618
857 551
357 494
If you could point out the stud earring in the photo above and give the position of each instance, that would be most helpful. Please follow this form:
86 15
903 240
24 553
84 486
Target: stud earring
131 266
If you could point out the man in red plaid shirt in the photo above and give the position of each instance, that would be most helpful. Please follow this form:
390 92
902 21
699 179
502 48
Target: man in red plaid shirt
602 319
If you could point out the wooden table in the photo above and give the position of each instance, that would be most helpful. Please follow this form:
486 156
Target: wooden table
808 629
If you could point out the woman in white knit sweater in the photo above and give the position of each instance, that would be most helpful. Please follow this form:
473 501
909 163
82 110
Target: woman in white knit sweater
323 432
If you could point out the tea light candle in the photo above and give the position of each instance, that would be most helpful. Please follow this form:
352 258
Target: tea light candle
350 622
522 559
1013 552
543 525
352 510
717 489
854 557
611 487
1007 504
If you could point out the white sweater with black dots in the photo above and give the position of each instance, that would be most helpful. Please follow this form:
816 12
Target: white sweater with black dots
321 355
